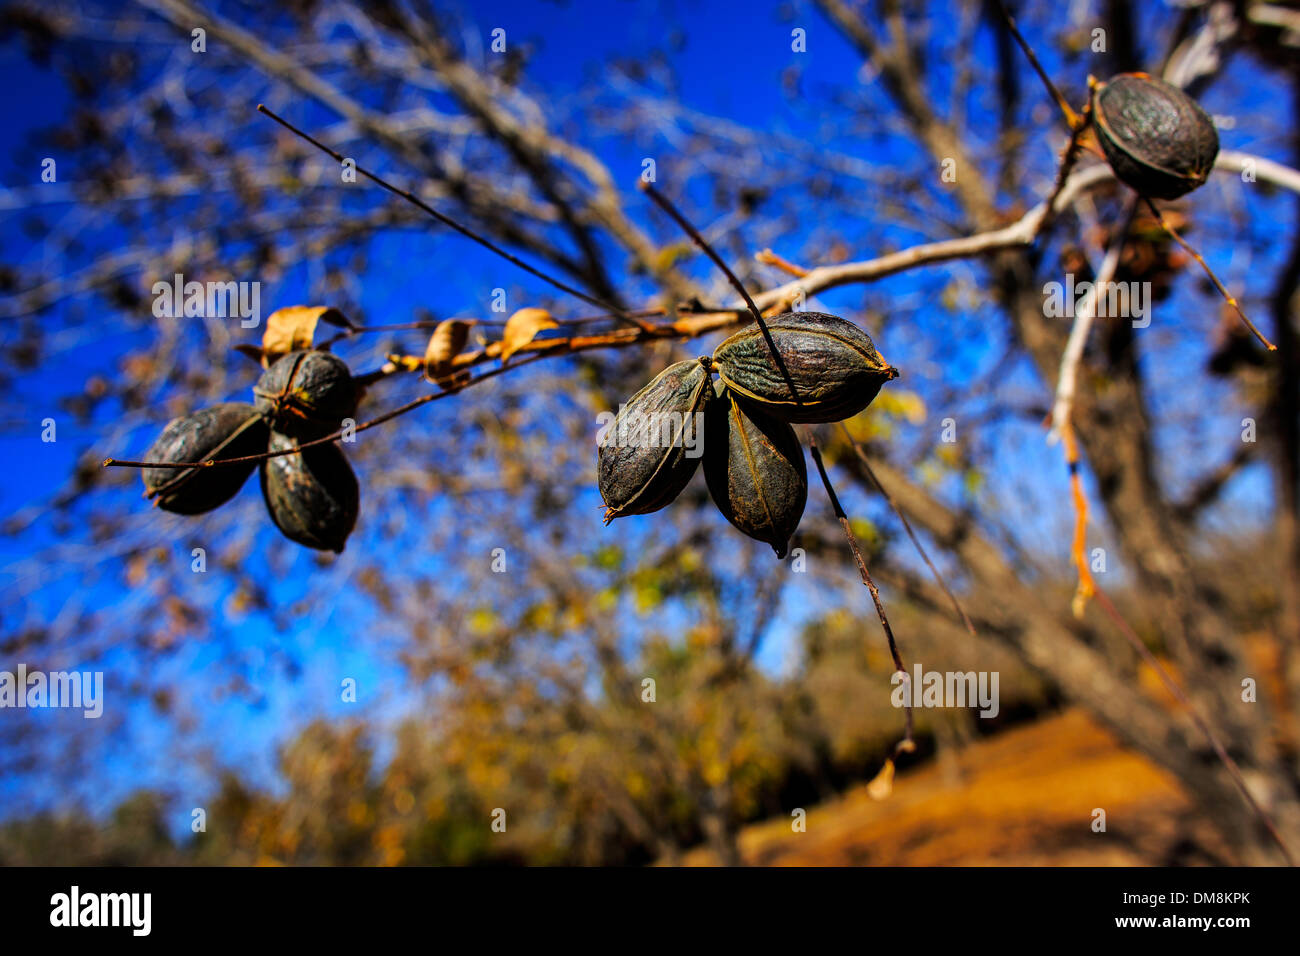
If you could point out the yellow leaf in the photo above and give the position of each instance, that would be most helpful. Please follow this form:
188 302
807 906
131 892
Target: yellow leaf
407 363
444 345
670 255
522 328
883 784
293 328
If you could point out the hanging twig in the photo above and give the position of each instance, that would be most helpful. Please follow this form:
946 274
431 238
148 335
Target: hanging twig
1066 385
1067 379
770 258
1230 299
907 525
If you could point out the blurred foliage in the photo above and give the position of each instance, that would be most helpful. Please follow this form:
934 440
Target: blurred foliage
593 781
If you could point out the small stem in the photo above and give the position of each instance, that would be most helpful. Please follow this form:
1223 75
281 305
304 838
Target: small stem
1231 300
1071 118
906 744
770 258
488 323
916 542
1067 163
434 323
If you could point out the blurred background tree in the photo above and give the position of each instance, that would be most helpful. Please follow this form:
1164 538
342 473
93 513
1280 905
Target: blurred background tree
523 690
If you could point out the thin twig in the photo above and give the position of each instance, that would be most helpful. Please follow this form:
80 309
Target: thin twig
1086 586
1072 119
494 323
770 258
1230 299
364 426
448 221
906 745
1022 232
866 465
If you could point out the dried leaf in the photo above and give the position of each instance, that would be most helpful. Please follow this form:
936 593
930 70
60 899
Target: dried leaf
294 327
407 363
444 345
522 328
882 785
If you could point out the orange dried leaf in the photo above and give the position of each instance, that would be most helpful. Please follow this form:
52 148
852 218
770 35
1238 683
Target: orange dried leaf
882 785
444 345
407 363
522 328
294 327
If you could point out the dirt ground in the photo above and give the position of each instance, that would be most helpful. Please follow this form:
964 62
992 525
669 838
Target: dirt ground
1025 797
